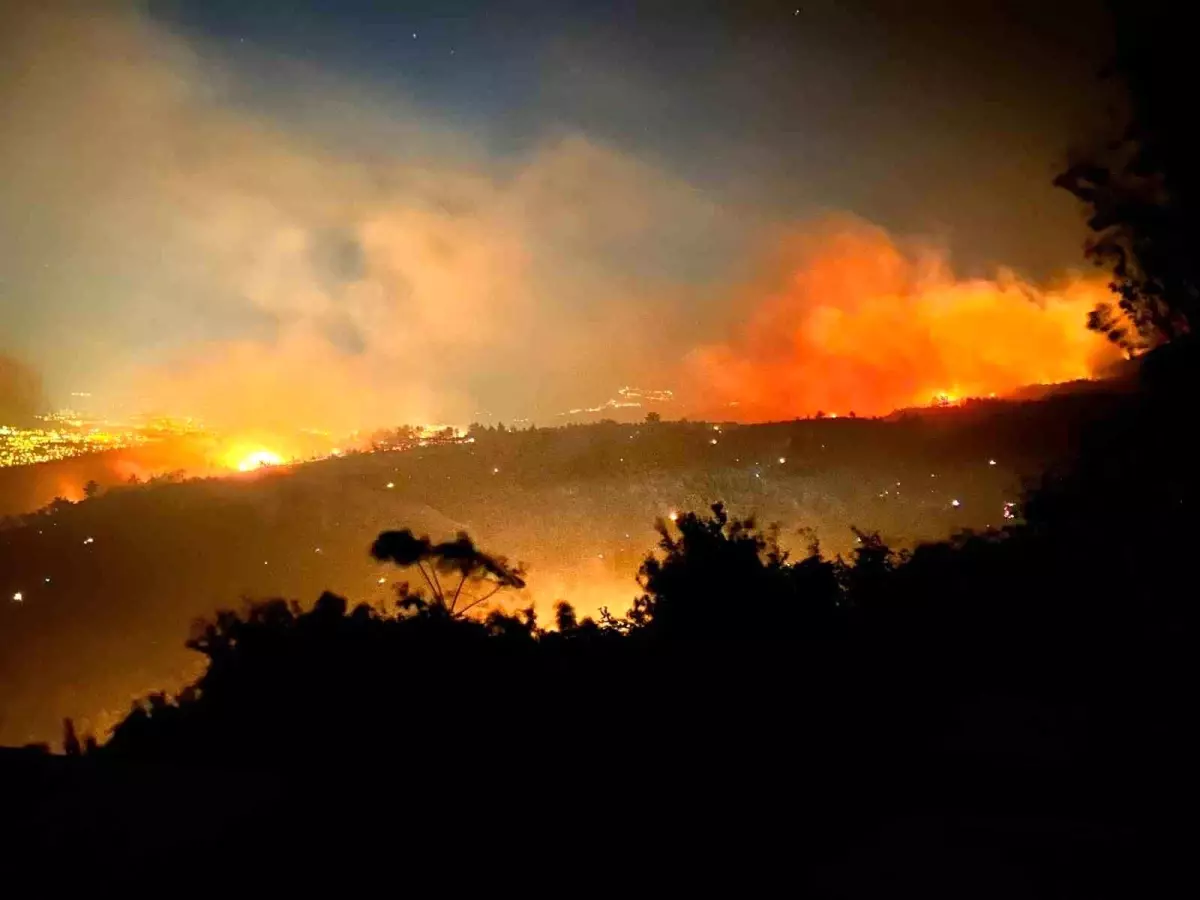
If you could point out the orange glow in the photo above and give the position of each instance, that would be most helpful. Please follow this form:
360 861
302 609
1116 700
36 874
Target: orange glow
846 320
258 459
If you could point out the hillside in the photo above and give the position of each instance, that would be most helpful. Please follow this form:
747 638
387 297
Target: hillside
109 586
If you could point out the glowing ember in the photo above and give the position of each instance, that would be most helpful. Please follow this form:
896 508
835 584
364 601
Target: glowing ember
673 516
259 459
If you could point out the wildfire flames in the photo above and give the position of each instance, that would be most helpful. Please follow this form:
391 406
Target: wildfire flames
257 459
847 321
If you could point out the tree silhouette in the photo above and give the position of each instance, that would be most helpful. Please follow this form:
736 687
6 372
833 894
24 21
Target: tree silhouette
1143 188
653 418
487 575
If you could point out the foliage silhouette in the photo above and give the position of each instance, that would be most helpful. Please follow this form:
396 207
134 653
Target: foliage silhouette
721 576
487 575
1143 188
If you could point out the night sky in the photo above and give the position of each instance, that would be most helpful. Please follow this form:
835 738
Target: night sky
449 206
918 116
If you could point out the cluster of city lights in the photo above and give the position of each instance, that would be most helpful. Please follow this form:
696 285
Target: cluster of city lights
29 446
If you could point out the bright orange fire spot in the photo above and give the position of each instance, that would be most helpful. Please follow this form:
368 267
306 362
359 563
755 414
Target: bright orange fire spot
846 320
259 459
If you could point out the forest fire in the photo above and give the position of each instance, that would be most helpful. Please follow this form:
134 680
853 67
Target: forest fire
255 459
259 459
847 321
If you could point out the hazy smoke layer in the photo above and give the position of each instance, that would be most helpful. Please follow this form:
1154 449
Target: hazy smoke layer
844 320
340 269
20 392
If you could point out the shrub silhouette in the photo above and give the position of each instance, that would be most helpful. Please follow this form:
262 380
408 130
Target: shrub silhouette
722 576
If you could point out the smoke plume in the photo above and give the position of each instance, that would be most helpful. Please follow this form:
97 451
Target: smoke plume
180 249
181 240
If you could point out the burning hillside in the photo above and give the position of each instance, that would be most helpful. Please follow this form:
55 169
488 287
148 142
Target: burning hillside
848 320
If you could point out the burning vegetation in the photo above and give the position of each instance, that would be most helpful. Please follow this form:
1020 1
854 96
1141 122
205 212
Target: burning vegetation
847 320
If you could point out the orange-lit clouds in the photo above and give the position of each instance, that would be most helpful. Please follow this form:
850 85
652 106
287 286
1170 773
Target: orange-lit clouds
845 320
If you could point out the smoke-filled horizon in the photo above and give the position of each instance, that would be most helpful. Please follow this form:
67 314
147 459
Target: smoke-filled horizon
448 217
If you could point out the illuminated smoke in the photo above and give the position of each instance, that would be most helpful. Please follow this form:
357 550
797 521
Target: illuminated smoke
846 321
180 250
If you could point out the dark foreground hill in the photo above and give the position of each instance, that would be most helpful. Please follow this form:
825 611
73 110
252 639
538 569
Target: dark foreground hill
109 587
998 715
